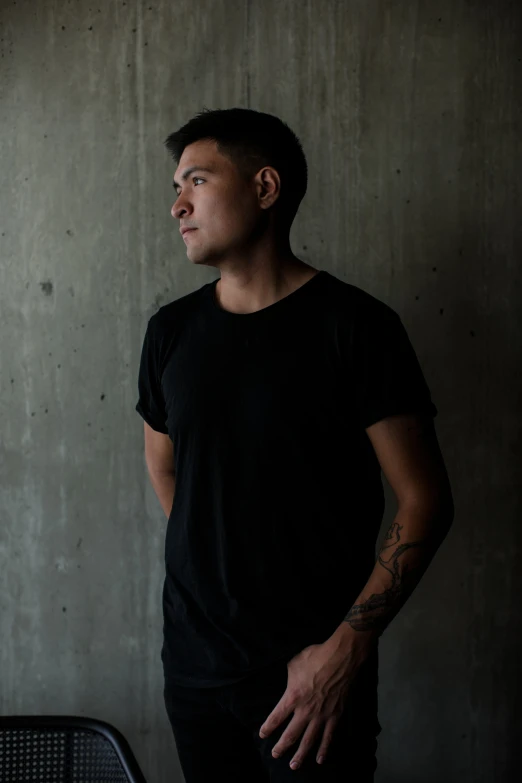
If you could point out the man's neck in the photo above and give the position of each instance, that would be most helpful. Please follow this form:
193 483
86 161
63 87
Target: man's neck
255 292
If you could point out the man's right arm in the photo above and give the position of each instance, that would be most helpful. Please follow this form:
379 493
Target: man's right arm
159 456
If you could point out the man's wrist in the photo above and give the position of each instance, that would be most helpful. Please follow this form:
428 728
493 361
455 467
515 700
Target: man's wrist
356 645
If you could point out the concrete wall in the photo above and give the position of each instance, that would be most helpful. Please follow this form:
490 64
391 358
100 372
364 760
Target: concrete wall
409 114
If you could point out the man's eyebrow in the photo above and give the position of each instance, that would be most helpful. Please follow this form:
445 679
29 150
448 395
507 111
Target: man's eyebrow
188 172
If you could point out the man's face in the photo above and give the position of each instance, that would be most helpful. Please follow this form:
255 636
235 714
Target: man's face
219 204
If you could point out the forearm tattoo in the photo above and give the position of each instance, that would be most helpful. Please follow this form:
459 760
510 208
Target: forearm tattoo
377 611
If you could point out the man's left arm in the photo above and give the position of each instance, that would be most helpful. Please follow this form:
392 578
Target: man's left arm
319 677
408 452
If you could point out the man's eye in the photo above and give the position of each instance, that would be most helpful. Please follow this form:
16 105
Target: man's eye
193 178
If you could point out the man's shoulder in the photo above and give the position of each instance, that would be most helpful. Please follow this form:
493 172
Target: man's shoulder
177 310
355 302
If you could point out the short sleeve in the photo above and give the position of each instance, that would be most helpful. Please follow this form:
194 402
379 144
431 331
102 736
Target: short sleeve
151 404
387 377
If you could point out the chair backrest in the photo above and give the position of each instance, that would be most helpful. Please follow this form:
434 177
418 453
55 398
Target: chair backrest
64 749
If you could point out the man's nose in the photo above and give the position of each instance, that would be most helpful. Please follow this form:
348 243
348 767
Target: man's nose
177 211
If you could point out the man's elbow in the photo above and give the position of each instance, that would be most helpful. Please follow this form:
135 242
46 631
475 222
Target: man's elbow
434 505
442 514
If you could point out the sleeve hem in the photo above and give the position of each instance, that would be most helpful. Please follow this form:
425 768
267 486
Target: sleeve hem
428 409
157 426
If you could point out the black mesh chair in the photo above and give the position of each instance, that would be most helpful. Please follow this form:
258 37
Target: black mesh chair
64 749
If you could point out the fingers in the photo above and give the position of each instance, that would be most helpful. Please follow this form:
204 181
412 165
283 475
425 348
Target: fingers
306 743
294 730
327 738
313 729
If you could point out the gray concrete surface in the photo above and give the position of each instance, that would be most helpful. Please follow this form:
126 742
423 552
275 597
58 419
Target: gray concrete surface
409 114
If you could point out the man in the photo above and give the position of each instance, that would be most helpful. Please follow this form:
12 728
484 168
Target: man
272 399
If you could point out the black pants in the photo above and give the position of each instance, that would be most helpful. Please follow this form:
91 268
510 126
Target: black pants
216 731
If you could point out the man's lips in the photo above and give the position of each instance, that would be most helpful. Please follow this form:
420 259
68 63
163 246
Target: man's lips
186 230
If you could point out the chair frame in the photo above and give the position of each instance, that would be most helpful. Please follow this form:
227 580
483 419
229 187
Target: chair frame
71 722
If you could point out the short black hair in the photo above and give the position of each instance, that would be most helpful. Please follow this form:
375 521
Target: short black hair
251 139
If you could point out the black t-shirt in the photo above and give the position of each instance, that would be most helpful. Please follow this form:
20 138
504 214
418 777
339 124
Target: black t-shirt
278 495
